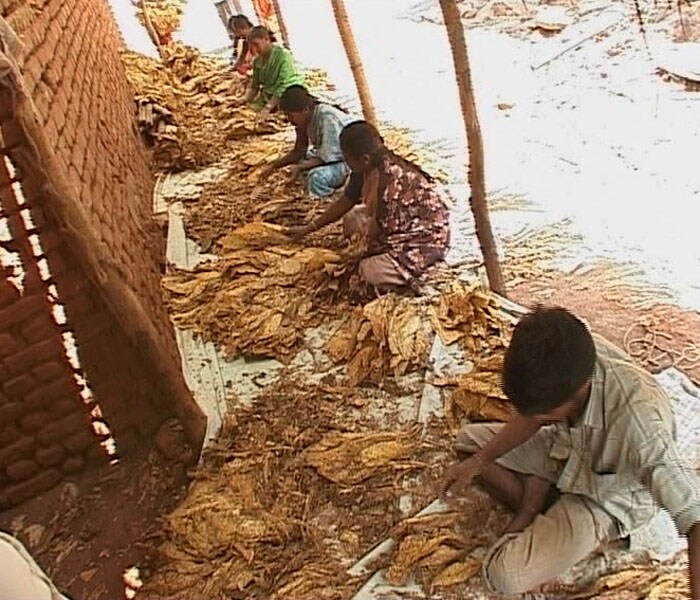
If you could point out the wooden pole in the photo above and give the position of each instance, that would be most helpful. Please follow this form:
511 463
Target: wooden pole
358 71
479 206
152 33
280 23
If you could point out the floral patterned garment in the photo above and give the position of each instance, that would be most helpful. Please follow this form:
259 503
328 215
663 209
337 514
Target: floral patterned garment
411 215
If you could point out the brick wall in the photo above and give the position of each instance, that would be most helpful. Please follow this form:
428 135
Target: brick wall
72 70
45 426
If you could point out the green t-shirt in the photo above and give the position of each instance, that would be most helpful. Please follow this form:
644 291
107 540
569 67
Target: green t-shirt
273 76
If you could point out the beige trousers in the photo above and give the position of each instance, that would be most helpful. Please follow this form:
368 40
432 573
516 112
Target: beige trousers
380 270
568 532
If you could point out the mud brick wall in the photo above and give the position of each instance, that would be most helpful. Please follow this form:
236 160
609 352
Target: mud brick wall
72 69
45 425
45 429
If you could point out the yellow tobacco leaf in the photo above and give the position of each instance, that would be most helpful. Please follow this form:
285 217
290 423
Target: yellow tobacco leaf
412 550
458 572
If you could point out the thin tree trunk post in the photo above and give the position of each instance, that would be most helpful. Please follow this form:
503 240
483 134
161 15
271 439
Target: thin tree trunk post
479 206
358 71
280 23
148 24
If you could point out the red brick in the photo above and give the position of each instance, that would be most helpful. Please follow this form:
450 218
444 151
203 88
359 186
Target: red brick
20 310
63 428
80 441
50 392
42 102
73 465
17 451
9 434
50 455
11 411
35 420
66 406
35 354
19 387
22 470
16 494
8 294
40 327
51 130
52 370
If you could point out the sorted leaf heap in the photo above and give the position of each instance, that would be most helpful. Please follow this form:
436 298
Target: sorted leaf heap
392 335
259 298
386 337
350 458
185 107
262 521
478 395
470 315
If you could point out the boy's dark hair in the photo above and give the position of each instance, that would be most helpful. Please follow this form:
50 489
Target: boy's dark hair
549 358
295 99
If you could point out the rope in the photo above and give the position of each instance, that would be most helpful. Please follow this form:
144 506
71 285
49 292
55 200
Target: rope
655 349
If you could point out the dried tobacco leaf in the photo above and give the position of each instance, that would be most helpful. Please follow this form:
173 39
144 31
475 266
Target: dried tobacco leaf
481 383
471 315
343 342
349 458
323 581
481 408
253 301
254 235
670 587
389 338
412 550
427 523
165 15
441 557
458 572
493 362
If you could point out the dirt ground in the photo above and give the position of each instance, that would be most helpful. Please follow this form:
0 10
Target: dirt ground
88 531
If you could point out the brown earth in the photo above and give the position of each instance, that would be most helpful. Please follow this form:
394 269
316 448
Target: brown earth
89 530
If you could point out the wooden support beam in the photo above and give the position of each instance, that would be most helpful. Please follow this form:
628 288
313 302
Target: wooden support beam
479 206
358 71
281 23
